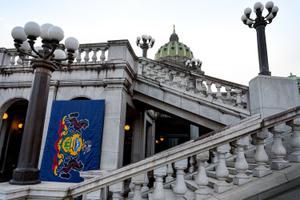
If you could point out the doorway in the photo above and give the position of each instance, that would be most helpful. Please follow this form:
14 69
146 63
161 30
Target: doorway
11 132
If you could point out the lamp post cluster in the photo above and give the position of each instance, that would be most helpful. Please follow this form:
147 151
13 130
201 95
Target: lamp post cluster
44 60
194 64
259 23
145 42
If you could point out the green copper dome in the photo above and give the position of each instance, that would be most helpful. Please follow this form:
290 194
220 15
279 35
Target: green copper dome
174 51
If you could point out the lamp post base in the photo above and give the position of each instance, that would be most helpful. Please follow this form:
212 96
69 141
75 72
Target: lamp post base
25 176
266 73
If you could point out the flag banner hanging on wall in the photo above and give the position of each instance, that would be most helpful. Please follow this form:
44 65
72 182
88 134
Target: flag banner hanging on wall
73 140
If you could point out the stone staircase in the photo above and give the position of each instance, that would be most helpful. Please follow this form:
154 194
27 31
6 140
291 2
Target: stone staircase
253 159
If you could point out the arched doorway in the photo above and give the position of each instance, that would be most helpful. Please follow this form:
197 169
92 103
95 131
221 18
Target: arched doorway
11 130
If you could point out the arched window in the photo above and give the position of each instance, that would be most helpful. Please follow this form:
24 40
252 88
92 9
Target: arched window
80 98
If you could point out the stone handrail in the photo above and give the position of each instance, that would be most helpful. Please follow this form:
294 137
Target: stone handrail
224 170
216 140
213 89
92 53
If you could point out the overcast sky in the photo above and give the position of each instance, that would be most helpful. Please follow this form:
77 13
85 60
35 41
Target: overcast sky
211 28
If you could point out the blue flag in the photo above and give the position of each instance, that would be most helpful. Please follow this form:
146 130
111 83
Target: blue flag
73 140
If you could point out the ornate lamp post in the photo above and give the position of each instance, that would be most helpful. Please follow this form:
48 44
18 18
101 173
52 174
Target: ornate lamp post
145 43
259 23
44 61
194 64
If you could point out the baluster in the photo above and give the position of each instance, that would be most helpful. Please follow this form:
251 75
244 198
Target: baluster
209 91
170 172
12 59
19 60
176 80
146 70
94 57
87 56
152 73
117 191
145 183
173 78
183 84
159 192
165 75
102 57
25 62
261 156
295 140
241 164
192 163
190 86
203 191
218 95
137 182
199 86
239 98
158 75
78 58
228 92
214 156
278 150
131 190
180 187
222 172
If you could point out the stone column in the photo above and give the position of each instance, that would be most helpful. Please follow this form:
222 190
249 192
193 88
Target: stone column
113 132
138 143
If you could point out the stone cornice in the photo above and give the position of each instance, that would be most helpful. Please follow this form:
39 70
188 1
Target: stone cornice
70 83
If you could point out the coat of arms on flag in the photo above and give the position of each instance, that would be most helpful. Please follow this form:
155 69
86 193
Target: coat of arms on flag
73 141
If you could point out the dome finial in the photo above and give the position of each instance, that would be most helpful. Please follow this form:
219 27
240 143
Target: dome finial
174 36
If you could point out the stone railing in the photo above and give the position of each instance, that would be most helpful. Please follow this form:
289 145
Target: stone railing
188 171
203 86
93 53
10 57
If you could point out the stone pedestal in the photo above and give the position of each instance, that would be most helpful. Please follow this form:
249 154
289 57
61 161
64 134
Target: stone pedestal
270 95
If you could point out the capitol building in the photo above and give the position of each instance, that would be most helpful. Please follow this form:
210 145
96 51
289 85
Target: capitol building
118 126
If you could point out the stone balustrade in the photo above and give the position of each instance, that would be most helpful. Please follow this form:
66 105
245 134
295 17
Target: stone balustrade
10 57
189 172
203 86
93 53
